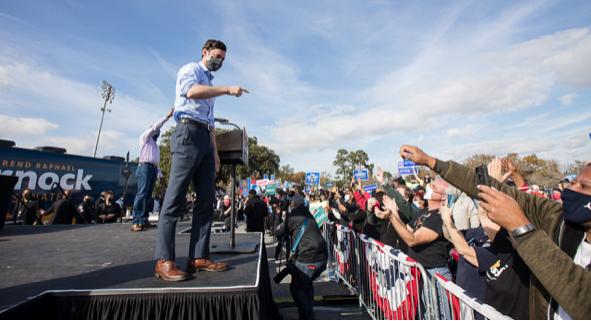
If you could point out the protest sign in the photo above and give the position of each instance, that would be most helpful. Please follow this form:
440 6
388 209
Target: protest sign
270 189
318 210
406 168
362 175
312 178
329 184
370 188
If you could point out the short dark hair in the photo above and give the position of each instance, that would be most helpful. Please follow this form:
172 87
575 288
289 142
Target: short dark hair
252 192
297 188
408 193
214 44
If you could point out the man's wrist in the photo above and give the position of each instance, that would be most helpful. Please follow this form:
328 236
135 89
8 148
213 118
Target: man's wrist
524 229
431 162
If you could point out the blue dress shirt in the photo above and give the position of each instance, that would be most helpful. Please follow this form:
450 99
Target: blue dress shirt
200 110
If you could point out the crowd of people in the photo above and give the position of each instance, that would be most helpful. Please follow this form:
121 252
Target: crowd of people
105 209
523 250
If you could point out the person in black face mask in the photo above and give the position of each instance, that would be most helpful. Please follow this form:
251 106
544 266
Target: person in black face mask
553 239
27 212
109 211
87 209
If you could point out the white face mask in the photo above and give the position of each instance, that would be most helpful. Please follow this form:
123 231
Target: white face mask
347 197
417 204
428 193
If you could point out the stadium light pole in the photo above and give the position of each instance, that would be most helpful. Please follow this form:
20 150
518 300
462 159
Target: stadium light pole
108 94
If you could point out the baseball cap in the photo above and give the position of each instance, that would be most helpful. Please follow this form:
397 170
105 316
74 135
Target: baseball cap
298 200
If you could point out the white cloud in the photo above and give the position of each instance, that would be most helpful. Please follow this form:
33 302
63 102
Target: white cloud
568 98
83 144
501 147
166 66
468 130
576 141
453 132
420 139
77 102
24 127
514 78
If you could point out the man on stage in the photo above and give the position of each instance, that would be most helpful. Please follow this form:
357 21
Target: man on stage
194 158
147 172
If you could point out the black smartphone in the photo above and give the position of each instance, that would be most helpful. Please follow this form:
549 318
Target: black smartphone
482 175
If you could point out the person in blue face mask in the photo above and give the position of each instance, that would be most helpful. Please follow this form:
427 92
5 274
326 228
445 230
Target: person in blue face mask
553 239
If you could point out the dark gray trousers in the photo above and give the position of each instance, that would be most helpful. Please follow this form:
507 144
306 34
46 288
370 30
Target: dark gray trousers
192 160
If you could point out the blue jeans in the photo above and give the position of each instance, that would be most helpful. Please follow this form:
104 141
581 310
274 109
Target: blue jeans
302 288
444 306
146 179
192 160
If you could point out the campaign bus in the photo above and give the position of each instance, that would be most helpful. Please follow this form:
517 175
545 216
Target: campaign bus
38 169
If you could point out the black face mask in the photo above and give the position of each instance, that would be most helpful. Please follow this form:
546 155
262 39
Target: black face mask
87 201
28 196
213 64
576 207
291 193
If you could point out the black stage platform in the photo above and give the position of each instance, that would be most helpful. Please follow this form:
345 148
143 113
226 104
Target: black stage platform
107 271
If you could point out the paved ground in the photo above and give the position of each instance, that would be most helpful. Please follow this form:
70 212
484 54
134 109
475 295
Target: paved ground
322 290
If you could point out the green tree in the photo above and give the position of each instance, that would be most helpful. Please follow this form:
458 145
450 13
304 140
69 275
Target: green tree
165 162
285 172
347 162
299 177
261 161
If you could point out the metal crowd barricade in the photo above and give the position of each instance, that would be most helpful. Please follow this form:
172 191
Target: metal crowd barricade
395 287
458 305
391 285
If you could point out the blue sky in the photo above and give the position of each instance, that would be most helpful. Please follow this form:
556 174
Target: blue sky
456 78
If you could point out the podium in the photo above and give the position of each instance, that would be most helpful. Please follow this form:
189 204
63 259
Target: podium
233 150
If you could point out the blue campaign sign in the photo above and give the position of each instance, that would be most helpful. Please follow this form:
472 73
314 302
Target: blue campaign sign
406 168
307 189
370 188
312 178
329 184
405 171
361 175
273 177
266 177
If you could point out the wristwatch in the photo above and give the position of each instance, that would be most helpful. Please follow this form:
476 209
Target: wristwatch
523 230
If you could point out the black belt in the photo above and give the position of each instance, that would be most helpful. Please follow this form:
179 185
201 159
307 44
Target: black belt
149 164
190 121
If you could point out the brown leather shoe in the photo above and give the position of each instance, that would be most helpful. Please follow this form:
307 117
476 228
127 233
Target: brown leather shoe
169 271
205 264
147 225
136 228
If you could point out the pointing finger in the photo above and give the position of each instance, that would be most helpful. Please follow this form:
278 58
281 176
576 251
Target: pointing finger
244 89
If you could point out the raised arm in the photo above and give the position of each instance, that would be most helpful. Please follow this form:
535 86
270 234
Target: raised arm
539 211
404 208
456 237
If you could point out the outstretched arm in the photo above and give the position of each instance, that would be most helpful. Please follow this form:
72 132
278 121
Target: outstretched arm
206 92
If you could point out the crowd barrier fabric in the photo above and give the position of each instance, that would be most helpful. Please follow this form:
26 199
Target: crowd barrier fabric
458 305
391 285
